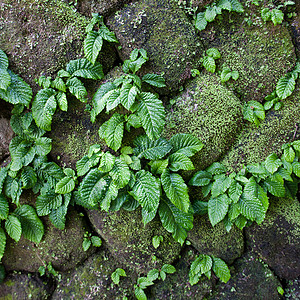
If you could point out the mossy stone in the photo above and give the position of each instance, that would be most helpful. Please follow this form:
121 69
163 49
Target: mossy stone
216 240
256 143
261 52
250 279
130 242
23 286
177 285
163 30
277 239
292 290
209 111
92 280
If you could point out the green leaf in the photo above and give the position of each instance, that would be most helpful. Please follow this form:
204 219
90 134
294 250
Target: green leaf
252 111
112 131
277 16
32 226
169 269
214 53
120 173
234 211
43 146
128 95
285 86
3 175
296 145
82 166
296 168
107 35
179 161
18 92
236 6
77 88
65 185
139 294
47 201
201 178
154 79
152 115
86 244
92 46
251 207
43 108
13 227
100 99
210 14
225 75
149 149
146 190
62 101
220 269
107 162
176 190
96 241
274 187
110 194
272 163
158 166
4 79
235 191
28 177
3 60
217 209
156 241
59 84
4 208
200 207
220 186
113 100
96 19
153 274
209 64
93 187
225 4
58 217
289 154
3 243
216 168
83 68
200 22
185 144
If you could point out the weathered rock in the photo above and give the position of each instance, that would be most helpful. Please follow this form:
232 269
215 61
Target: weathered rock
163 30
63 248
40 37
92 280
256 143
261 52
277 239
209 111
295 29
23 286
216 240
251 279
292 290
6 135
177 286
130 242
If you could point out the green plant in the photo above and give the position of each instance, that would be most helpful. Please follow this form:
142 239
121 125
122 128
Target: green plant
253 112
204 264
144 282
146 110
209 62
241 198
156 240
226 74
115 276
212 11
89 239
47 269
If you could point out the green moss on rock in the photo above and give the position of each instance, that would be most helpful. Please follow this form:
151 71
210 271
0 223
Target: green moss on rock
209 111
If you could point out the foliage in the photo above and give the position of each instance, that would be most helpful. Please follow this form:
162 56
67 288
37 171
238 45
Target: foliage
89 240
115 276
47 269
154 274
241 198
212 11
156 240
204 264
209 60
146 109
227 74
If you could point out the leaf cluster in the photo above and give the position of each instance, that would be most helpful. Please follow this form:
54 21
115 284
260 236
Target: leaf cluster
89 240
241 198
209 60
205 264
212 11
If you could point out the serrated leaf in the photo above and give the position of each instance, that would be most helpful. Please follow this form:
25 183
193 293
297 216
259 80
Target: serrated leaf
274 187
47 201
13 227
43 146
149 149
235 191
253 110
152 115
86 244
65 185
225 75
154 79
58 217
128 95
32 226
43 108
153 274
113 100
200 22
272 163
62 101
96 241
4 208
82 166
139 294
3 243
83 68
3 174
185 144
225 4
220 186
112 131
209 64
92 46
277 16
251 207
120 173
158 166
201 178
93 187
107 162
285 86
296 145
109 195
289 154
210 13
169 269
146 190
216 168
107 35
4 79
3 60
18 92
28 177
217 209
96 19
115 277
77 88
221 270
179 161
296 168
214 53
176 190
